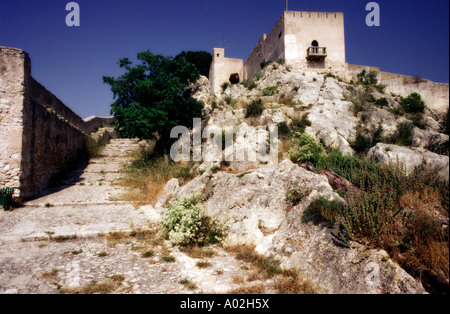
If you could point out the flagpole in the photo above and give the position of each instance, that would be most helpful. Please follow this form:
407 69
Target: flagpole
287 5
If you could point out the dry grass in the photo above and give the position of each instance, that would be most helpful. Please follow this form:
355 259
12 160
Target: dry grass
199 252
284 147
203 264
292 285
254 289
146 178
285 282
238 279
111 285
51 274
114 238
421 244
267 266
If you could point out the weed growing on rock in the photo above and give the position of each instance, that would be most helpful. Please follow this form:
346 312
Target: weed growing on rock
323 210
254 109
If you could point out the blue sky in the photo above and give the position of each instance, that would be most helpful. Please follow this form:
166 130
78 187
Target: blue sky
413 37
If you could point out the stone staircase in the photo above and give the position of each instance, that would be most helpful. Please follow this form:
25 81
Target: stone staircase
84 203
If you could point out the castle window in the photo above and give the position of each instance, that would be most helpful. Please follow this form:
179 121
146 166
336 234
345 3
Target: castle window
314 43
279 36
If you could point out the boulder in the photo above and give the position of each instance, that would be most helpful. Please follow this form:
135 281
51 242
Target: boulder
409 157
254 207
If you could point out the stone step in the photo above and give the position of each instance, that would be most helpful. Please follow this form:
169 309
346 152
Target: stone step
78 193
87 220
104 168
111 159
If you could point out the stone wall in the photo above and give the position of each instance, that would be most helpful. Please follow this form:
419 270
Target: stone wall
434 94
252 64
14 68
222 68
39 135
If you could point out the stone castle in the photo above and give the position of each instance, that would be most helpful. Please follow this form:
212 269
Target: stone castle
309 41
315 42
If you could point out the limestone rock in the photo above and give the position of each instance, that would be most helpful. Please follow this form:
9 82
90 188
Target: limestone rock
273 117
379 117
409 157
331 90
201 90
334 124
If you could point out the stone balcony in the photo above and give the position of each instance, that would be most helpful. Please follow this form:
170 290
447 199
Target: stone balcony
316 53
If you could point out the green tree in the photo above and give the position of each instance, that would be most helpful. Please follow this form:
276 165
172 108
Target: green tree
200 59
151 98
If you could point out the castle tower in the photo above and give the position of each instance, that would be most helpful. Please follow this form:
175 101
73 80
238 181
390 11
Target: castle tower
224 70
307 41
310 41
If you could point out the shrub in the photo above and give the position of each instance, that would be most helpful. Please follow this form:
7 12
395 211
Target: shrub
323 210
295 194
283 129
368 78
185 223
254 109
403 135
365 139
392 210
360 100
264 63
270 91
417 120
224 86
413 103
250 85
362 142
305 148
94 147
382 102
301 122
369 212
381 88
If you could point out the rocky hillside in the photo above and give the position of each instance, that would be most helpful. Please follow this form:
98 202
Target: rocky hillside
317 210
338 113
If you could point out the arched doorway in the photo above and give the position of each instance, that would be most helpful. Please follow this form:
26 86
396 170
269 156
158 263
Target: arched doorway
314 43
